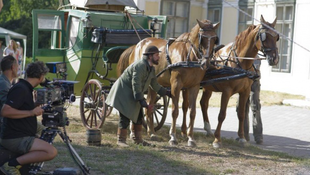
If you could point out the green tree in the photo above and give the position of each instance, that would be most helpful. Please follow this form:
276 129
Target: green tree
16 16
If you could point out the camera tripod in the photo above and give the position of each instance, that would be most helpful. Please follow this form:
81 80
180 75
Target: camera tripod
48 135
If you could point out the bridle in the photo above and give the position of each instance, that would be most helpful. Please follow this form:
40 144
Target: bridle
200 36
262 36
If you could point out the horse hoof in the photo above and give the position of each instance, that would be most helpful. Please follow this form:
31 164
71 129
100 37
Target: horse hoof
191 144
242 141
154 137
173 142
217 145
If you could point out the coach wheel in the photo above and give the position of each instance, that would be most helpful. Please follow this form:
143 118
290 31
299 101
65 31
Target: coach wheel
160 112
92 105
108 109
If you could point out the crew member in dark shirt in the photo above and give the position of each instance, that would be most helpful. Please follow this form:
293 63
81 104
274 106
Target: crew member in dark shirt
20 122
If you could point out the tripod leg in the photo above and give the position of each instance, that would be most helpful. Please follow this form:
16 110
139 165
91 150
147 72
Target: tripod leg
48 135
74 154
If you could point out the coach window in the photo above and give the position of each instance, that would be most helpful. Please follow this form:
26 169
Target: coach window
49 26
178 12
214 13
285 21
245 19
73 30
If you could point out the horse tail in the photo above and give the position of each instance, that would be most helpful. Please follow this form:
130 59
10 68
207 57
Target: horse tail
123 61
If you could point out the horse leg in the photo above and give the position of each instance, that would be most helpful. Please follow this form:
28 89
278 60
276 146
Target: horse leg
151 98
222 115
175 94
204 103
243 98
184 108
192 105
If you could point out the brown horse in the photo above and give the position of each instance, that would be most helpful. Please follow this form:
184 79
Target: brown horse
246 44
195 46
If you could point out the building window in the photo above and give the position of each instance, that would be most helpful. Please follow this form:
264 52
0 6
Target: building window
178 13
285 21
244 20
214 13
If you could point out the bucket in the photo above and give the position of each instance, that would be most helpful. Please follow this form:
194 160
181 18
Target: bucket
93 137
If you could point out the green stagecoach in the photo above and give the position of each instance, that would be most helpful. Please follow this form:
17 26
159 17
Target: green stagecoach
86 40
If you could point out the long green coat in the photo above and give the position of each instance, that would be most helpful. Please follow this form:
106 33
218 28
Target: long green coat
129 87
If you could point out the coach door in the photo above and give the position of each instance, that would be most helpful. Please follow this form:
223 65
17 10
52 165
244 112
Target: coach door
48 35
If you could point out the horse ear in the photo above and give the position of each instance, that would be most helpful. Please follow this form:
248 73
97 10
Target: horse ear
262 20
274 22
201 24
215 26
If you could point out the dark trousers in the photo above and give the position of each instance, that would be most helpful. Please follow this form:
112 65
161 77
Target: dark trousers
124 121
254 103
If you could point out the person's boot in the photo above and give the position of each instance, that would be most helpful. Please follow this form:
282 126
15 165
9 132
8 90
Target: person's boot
137 136
10 170
259 140
121 137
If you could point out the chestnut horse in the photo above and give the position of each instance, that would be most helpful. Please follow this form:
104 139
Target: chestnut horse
195 46
246 44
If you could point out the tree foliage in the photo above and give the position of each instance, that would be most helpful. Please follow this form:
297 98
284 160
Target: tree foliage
16 16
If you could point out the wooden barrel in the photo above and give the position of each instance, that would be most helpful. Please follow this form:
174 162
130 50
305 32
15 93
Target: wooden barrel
93 137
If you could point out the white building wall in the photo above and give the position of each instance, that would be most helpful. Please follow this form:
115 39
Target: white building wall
298 80
295 82
229 22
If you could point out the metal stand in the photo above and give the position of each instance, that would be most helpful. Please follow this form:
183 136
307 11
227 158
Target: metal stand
49 135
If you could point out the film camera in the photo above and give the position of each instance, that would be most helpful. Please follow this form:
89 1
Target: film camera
54 95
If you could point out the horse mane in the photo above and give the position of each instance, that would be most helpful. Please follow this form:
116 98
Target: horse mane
123 61
183 37
243 36
193 34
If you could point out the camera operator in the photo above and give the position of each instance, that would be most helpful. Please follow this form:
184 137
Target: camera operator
20 122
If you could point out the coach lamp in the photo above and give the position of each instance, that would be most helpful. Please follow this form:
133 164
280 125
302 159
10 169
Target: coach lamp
87 23
155 26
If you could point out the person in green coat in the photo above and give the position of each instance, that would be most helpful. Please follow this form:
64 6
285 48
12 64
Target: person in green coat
127 95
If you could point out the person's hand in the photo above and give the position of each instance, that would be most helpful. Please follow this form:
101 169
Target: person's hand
37 111
143 103
168 93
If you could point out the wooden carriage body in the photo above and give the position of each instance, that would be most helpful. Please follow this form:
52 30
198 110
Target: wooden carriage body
78 30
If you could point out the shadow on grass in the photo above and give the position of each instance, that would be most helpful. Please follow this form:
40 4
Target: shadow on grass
163 159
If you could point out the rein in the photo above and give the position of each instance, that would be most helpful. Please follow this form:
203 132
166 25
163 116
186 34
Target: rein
193 49
183 64
130 19
186 64
235 56
198 53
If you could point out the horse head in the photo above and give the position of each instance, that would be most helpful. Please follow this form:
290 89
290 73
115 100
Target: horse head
207 39
268 38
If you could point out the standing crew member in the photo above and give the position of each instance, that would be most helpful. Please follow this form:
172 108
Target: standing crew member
9 68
